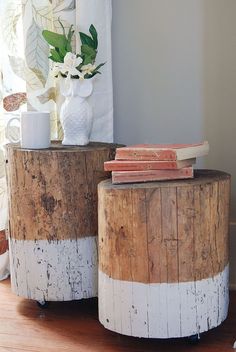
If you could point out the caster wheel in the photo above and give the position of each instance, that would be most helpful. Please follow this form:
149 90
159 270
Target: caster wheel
194 339
43 304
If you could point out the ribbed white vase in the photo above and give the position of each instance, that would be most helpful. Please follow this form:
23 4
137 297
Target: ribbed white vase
76 114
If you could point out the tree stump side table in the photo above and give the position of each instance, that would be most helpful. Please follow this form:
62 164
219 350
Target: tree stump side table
53 219
163 255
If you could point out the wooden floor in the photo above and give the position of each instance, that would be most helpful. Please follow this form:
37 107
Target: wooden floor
74 326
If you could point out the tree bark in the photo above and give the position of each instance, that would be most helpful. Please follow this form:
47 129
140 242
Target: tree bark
53 219
166 242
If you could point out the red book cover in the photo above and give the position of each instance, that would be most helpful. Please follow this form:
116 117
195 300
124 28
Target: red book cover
141 165
162 151
151 175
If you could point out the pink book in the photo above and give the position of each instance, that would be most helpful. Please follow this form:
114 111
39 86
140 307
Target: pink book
151 175
140 165
162 151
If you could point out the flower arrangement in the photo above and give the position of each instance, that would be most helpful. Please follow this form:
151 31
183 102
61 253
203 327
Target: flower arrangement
73 65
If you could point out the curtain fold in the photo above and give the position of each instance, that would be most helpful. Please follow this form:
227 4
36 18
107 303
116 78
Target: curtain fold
25 79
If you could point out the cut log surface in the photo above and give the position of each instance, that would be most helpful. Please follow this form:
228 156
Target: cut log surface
163 255
53 219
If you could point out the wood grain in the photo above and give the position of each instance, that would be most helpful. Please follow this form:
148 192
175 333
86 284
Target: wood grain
154 235
53 192
168 207
179 229
186 213
139 243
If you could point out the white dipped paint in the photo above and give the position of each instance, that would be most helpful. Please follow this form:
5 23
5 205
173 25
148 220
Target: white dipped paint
62 270
163 310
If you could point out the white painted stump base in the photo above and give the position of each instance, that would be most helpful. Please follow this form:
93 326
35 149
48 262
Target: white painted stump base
62 270
163 310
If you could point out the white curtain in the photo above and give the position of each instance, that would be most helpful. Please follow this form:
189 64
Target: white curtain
25 80
99 12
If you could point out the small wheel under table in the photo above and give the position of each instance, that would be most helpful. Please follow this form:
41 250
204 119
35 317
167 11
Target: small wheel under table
194 339
43 304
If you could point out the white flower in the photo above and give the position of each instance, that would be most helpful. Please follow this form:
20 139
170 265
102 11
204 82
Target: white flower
68 67
55 70
88 69
70 64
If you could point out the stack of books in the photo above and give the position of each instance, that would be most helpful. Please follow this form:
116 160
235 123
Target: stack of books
155 162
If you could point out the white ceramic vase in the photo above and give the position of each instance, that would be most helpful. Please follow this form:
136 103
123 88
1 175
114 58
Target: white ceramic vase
76 114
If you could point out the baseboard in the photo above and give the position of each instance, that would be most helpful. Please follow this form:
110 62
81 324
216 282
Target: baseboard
232 256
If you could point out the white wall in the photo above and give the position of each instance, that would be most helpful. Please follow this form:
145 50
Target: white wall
174 71
158 64
219 87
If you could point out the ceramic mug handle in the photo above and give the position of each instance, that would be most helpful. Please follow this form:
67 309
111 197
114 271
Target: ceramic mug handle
12 140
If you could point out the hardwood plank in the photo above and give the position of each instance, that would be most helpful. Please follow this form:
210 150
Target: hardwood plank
169 233
73 326
139 259
153 199
186 213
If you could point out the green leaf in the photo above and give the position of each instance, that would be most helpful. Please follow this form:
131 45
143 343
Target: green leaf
87 60
63 28
70 33
56 56
88 51
52 58
87 76
55 39
68 47
87 40
69 38
67 26
99 66
96 70
62 53
95 73
94 35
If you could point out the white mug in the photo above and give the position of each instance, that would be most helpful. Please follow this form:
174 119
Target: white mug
34 130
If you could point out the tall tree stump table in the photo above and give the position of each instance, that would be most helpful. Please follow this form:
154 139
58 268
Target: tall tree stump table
53 219
163 255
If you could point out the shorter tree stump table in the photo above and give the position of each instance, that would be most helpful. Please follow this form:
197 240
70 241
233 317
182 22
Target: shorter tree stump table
53 219
163 255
